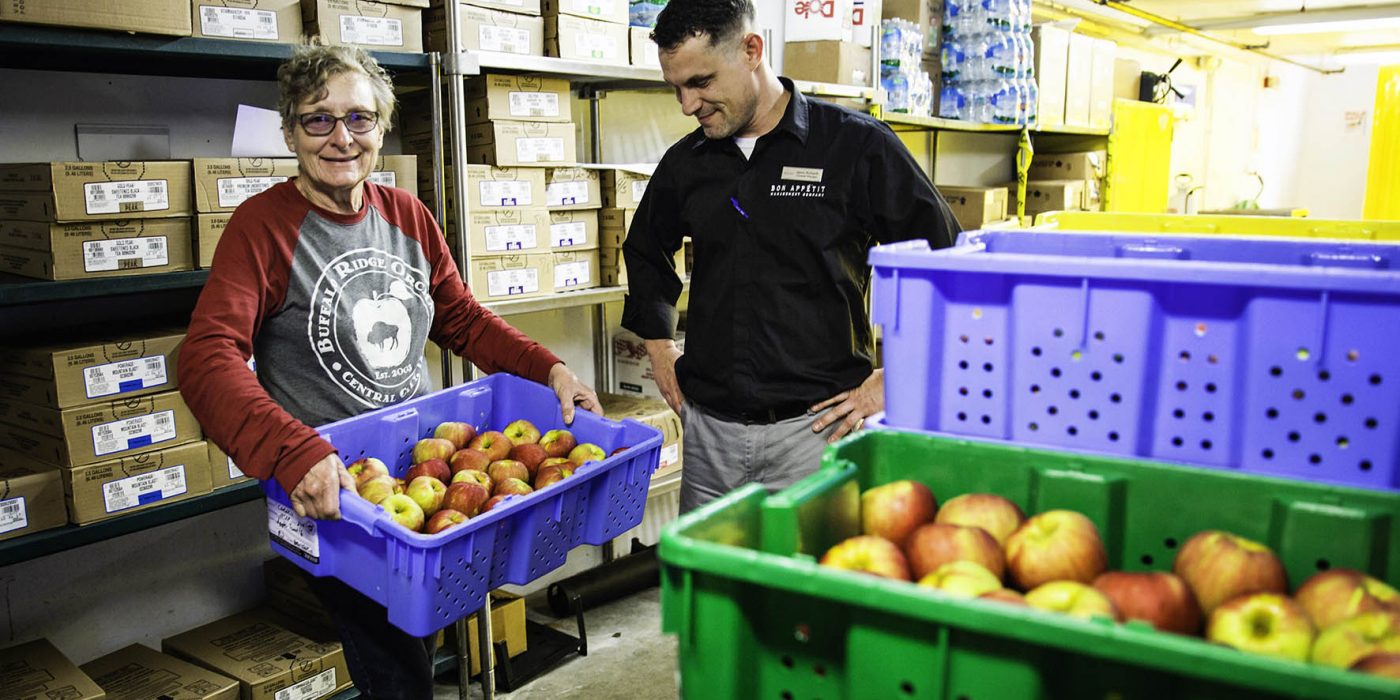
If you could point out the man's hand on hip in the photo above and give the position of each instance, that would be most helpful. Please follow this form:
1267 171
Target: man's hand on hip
663 354
318 494
851 408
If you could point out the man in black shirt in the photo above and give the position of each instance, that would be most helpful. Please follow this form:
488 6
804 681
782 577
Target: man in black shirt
782 197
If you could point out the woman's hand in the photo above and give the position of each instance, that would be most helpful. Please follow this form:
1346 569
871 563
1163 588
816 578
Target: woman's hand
571 392
318 494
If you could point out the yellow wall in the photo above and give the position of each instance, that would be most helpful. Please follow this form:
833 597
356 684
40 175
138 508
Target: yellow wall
1383 174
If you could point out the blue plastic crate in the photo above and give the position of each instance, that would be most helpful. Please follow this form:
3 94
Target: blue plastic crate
1264 355
429 581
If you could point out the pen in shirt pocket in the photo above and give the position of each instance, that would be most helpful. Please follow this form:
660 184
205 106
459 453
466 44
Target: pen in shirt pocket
735 202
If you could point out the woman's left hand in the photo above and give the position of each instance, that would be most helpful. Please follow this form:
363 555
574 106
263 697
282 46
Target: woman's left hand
571 392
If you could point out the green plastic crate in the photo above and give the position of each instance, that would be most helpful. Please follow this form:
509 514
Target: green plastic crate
757 617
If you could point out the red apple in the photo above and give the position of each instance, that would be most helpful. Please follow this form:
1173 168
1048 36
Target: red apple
435 468
494 501
377 488
427 492
586 452
963 579
1053 546
366 468
1355 638
530 454
1072 598
444 519
868 554
1385 665
503 469
522 432
1219 566
558 443
620 449
473 475
432 448
1158 597
1005 595
493 442
894 510
465 497
468 458
404 511
456 432
997 515
933 545
553 474
1337 594
512 486
1267 624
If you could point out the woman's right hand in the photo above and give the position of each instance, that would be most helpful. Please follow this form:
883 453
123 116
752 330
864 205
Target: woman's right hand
318 494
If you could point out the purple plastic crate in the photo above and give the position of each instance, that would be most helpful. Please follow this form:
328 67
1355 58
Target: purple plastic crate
1273 356
429 581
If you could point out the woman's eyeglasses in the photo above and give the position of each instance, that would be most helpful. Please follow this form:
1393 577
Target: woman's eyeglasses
323 123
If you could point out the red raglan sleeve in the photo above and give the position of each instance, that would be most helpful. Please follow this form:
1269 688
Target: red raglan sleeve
247 282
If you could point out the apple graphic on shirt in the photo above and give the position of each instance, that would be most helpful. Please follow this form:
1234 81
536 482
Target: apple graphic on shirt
383 328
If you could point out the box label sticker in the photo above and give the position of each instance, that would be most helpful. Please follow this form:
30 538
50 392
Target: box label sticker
385 178
127 196
503 39
125 376
506 193
511 237
571 274
507 283
534 104
571 234
372 31
593 8
141 489
125 254
13 515
233 23
539 150
597 46
639 189
317 686
670 454
563 194
131 433
293 532
233 191
233 471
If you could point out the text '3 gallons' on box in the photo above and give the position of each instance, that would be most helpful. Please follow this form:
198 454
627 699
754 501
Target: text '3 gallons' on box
138 671
268 661
97 432
75 191
66 374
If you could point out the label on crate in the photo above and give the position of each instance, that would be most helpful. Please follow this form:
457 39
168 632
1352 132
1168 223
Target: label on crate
506 193
141 489
572 233
571 274
563 194
319 685
534 104
503 39
234 23
384 178
124 376
233 471
125 254
372 31
233 191
596 46
539 150
128 196
639 188
293 532
670 454
13 515
511 237
507 283
131 433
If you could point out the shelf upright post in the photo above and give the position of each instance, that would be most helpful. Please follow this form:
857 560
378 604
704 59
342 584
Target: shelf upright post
602 347
439 202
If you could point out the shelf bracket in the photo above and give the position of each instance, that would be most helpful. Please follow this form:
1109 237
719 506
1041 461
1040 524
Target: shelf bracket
460 64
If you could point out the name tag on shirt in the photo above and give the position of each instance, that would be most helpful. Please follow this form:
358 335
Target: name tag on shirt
802 174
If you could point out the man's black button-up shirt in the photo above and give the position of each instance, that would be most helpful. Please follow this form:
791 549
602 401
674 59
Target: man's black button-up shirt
778 296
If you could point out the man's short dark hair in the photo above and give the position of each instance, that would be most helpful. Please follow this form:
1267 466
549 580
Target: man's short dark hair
719 19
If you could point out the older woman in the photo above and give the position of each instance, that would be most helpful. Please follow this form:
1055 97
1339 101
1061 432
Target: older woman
336 284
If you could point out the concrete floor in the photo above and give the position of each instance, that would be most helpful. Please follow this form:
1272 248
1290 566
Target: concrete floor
628 656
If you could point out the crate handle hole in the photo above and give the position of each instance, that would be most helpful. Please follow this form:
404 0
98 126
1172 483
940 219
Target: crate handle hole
1365 465
1276 371
819 669
1035 388
786 695
1059 333
1371 423
1323 565
1146 560
1178 413
1072 430
1207 416
1055 371
1076 356
1200 330
988 340
1177 441
1074 393
1272 412
1115 398
1303 354
962 364
1096 375
1052 410
1348 399
1319 417
1267 453
1036 351
1207 444
1343 442
1314 459
787 662
1185 356
1375 380
986 393
1118 357
1293 436
1113 436
1210 387
987 367
1181 386
963 338
962 391
906 687
986 420
1093 415
1299 394
1170 542
1098 335
1323 375
1213 359
1033 426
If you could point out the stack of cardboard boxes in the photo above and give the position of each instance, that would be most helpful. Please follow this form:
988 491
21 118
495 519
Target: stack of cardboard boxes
623 187
500 26
378 25
220 185
1075 77
1065 182
587 30
830 41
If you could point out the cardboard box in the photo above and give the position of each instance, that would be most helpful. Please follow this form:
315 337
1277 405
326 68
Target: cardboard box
208 229
524 7
644 52
865 21
1105 53
1127 78
268 661
653 412
100 190
573 230
1054 195
974 207
117 487
612 272
825 20
507 624
369 24
579 39
38 671
841 62
170 17
277 21
289 593
1078 91
70 373
31 498
508 231
575 269
613 11
522 98
396 171
623 188
489 30
1051 72
632 366
103 249
222 471
501 277
221 184
1082 165
139 672
572 188
616 221
505 187
97 432
509 144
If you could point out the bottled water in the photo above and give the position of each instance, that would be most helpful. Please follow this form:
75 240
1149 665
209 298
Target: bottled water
987 61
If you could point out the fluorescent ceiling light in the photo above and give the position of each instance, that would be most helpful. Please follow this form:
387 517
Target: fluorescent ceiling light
1357 25
1379 58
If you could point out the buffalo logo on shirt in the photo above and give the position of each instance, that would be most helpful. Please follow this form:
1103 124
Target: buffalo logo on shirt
369 323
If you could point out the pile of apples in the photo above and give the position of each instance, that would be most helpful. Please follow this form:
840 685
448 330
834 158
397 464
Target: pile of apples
1234 590
458 473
